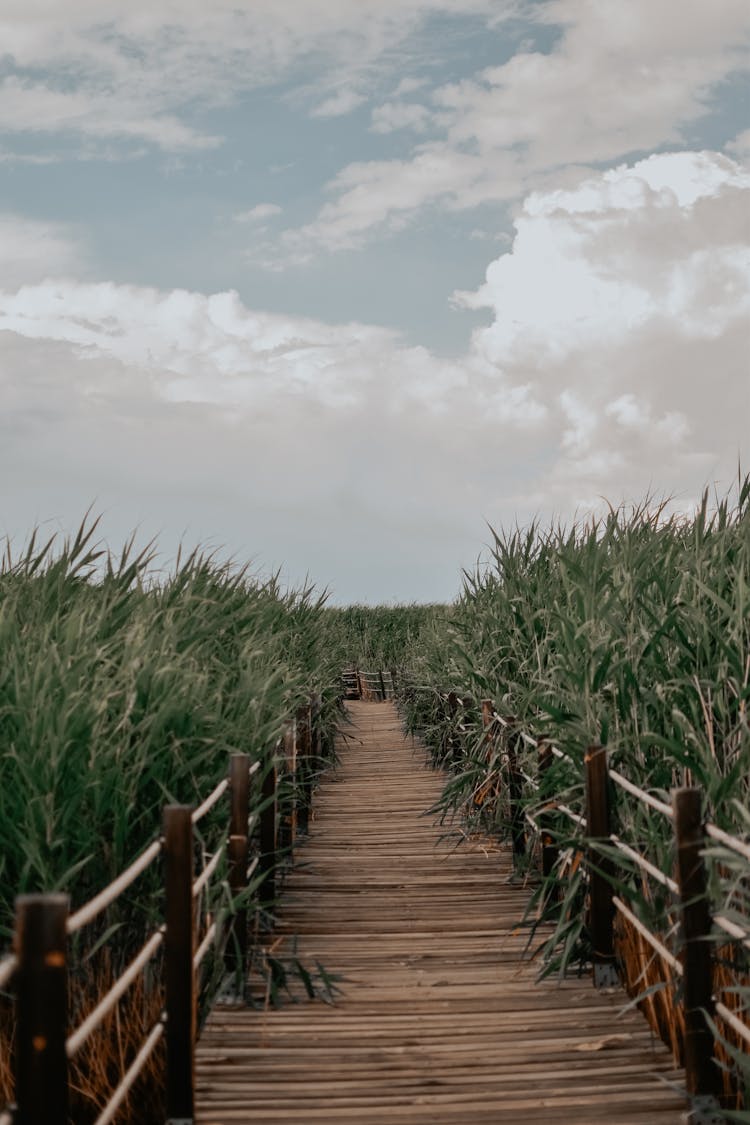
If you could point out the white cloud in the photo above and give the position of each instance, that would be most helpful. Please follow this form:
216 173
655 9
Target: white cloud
740 146
615 361
339 104
38 107
622 79
409 86
135 70
595 264
389 116
626 304
258 213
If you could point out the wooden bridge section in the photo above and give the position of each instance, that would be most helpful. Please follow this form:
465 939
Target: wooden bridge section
440 1018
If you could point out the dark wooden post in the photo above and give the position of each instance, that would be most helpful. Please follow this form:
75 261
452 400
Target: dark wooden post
267 860
701 1072
549 851
41 987
518 836
601 907
316 732
289 743
382 685
239 810
304 765
179 950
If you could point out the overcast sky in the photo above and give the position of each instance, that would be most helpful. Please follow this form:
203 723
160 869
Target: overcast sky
335 288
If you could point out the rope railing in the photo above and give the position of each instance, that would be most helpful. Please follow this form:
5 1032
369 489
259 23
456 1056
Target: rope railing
8 967
208 870
112 892
38 968
131 1074
645 933
211 800
359 683
644 864
606 889
647 799
119 988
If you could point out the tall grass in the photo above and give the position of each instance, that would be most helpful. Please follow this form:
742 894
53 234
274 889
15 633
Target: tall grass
632 630
379 637
122 689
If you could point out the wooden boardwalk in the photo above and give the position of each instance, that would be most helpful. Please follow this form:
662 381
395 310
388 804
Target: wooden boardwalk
441 1018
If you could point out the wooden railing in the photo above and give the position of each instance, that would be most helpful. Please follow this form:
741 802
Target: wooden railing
37 971
690 966
368 685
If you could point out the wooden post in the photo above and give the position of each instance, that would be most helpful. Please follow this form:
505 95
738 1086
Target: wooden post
179 984
304 765
289 740
267 861
239 810
382 686
601 907
701 1072
41 1064
549 851
518 836
316 733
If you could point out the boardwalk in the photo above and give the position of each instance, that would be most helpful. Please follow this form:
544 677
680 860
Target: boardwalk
441 1020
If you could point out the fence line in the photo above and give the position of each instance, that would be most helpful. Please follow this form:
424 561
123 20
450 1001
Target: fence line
37 973
693 965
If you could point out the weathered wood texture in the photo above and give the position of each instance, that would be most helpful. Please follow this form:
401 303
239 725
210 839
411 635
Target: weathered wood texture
441 1018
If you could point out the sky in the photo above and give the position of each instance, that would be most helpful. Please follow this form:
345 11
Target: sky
336 292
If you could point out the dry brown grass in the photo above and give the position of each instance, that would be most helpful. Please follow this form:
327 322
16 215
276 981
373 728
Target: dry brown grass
103 1059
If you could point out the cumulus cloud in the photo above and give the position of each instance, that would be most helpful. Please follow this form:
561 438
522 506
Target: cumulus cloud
625 299
616 359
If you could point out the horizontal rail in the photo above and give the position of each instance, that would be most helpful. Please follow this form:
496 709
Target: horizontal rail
254 768
204 946
8 967
130 1075
251 869
644 931
729 1017
581 820
728 841
107 1003
213 797
208 870
643 863
731 928
105 898
641 794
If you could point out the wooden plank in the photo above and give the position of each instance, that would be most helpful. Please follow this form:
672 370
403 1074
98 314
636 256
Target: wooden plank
441 1018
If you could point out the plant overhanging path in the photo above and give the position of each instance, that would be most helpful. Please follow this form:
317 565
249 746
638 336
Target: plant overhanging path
440 1018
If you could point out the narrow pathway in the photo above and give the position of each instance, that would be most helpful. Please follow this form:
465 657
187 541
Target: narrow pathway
441 1019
